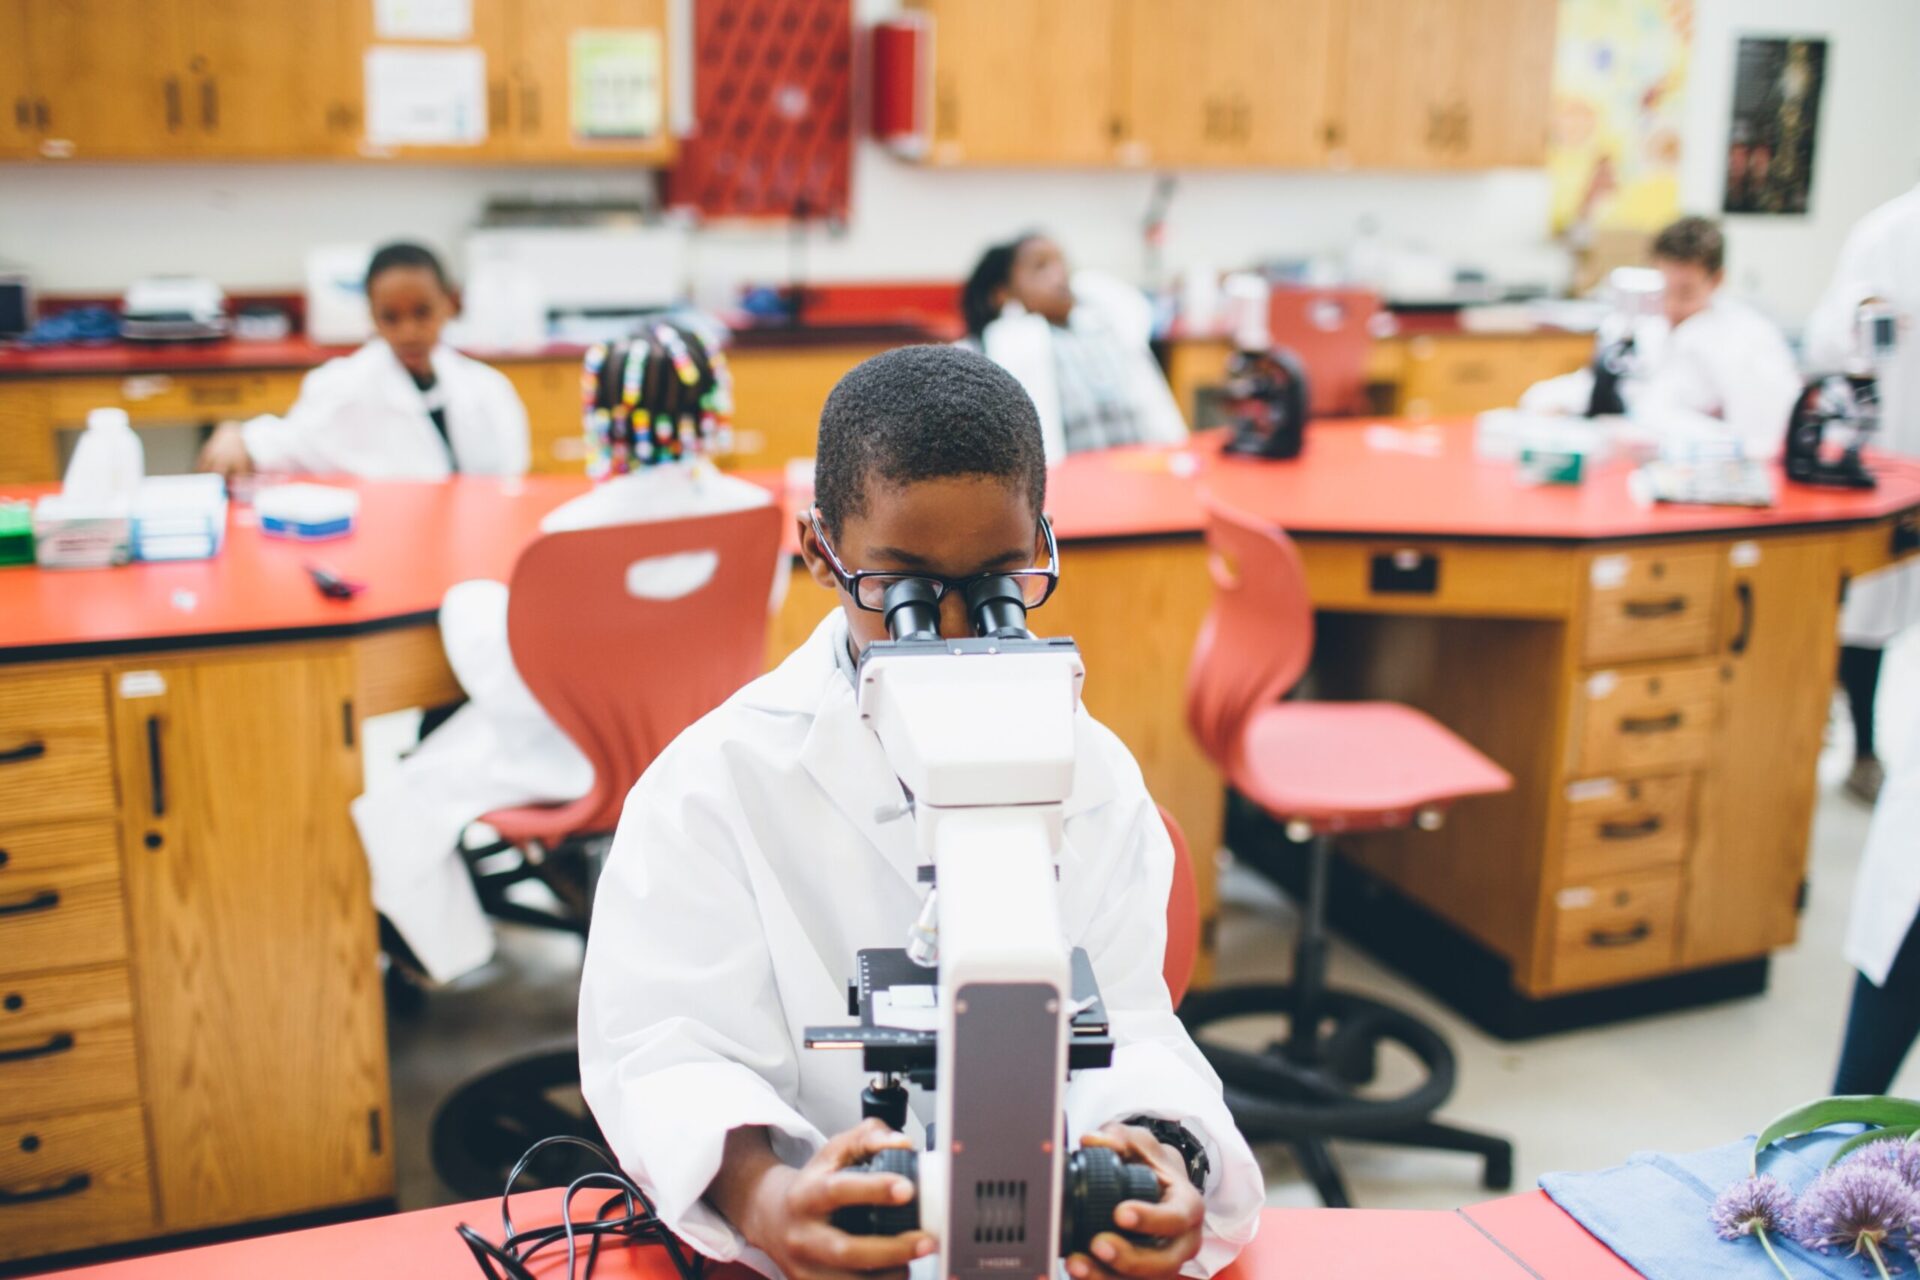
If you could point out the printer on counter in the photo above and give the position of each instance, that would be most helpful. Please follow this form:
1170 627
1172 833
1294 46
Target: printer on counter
174 309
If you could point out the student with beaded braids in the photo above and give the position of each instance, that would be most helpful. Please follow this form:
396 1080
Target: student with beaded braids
652 408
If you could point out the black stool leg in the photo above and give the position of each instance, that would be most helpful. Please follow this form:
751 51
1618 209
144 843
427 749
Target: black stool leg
1431 1135
1316 1161
1310 957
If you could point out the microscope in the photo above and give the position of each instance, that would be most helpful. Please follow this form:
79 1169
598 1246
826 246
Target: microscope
1266 384
985 1006
1635 294
1844 406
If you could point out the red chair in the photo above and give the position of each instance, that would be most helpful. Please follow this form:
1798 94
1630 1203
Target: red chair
622 675
1318 769
1183 915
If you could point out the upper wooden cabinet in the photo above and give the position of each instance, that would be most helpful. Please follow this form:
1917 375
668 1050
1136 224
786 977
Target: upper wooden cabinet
19 134
541 74
110 77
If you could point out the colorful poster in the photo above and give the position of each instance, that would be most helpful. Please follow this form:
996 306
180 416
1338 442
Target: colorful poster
1619 83
1776 113
618 90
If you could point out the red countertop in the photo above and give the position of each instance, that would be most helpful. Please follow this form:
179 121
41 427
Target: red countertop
416 540
1511 1239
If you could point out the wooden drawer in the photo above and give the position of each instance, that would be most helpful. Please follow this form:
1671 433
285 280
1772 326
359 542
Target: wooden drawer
1651 604
1478 580
61 904
550 391
1651 718
174 397
54 751
66 1042
1615 930
73 1180
1616 824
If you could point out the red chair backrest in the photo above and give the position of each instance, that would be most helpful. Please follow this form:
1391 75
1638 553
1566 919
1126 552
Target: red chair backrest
623 675
1331 330
1183 915
1257 637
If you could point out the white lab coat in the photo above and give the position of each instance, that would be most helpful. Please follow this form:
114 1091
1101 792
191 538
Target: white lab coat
1022 344
1723 372
501 750
754 859
1881 259
362 415
1886 896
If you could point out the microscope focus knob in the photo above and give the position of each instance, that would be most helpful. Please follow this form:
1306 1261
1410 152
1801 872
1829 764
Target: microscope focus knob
883 1219
1098 1182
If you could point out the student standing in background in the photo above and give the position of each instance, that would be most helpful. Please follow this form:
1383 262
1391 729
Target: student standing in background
1077 342
403 407
1879 263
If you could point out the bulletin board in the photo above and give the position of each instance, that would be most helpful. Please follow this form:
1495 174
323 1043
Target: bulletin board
1619 90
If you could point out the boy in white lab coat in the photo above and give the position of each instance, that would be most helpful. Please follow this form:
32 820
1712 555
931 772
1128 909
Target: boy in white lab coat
403 407
766 846
1709 366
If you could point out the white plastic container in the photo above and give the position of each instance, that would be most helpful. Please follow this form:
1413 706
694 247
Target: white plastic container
108 463
80 533
306 512
179 518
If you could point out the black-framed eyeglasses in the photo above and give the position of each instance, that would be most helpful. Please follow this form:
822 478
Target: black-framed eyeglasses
869 587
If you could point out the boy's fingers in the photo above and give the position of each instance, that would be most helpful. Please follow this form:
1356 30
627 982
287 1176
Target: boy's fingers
1082 1267
1138 1262
828 1247
864 1188
1163 1221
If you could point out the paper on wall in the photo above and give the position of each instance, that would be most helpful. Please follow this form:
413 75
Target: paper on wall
426 97
422 19
616 83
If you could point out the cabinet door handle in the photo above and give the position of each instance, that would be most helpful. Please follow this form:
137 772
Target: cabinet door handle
60 1042
1631 830
210 103
21 754
497 105
1655 608
530 108
45 900
42 115
173 104
52 1191
1743 593
1620 937
22 114
156 768
1652 724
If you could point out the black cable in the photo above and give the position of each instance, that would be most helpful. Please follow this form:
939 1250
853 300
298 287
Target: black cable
637 1223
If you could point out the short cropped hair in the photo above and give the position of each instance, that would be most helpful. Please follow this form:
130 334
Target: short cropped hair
925 413
401 253
991 274
1693 239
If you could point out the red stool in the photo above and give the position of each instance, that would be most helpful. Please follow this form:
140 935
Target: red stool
1319 769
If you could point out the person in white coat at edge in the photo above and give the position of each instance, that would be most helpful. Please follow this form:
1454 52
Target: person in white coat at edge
653 406
1077 342
402 407
759 853
1709 367
1879 262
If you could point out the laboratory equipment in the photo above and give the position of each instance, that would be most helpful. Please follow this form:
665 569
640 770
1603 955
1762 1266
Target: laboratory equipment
1634 295
1837 413
986 1006
174 309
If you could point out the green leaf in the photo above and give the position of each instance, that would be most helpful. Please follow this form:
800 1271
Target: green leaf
1866 1109
1872 1136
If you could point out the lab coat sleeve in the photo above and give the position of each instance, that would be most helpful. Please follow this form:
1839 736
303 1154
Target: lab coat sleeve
1857 277
296 440
681 1035
1156 1069
1570 393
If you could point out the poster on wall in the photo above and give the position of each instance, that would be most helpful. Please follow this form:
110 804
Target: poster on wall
1619 92
1776 115
618 91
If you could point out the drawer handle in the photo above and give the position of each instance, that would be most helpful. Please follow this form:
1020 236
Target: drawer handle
57 1043
45 900
53 1191
156 769
1621 937
1630 830
20 755
1654 608
1652 724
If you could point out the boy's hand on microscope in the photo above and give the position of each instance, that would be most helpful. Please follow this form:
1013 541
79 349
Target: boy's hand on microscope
1166 1236
790 1218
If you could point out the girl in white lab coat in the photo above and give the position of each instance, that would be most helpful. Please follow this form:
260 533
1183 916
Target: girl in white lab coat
653 406
772 841
1078 344
403 407
1709 367
1880 261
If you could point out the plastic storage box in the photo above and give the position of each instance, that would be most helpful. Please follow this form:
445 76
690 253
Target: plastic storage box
307 512
179 518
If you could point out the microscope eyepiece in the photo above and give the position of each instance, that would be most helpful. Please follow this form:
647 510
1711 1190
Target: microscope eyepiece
912 607
998 609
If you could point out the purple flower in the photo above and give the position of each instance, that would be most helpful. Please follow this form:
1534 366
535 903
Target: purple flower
1753 1204
1856 1206
1900 1155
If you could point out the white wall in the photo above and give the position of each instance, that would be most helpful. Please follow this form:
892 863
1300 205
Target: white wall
1867 150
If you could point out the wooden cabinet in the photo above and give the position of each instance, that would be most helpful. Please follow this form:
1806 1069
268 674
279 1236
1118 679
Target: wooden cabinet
1018 83
112 76
541 76
1213 83
19 133
261 1041
272 78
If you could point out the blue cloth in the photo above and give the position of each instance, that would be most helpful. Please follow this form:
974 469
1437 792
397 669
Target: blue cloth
1653 1210
79 325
